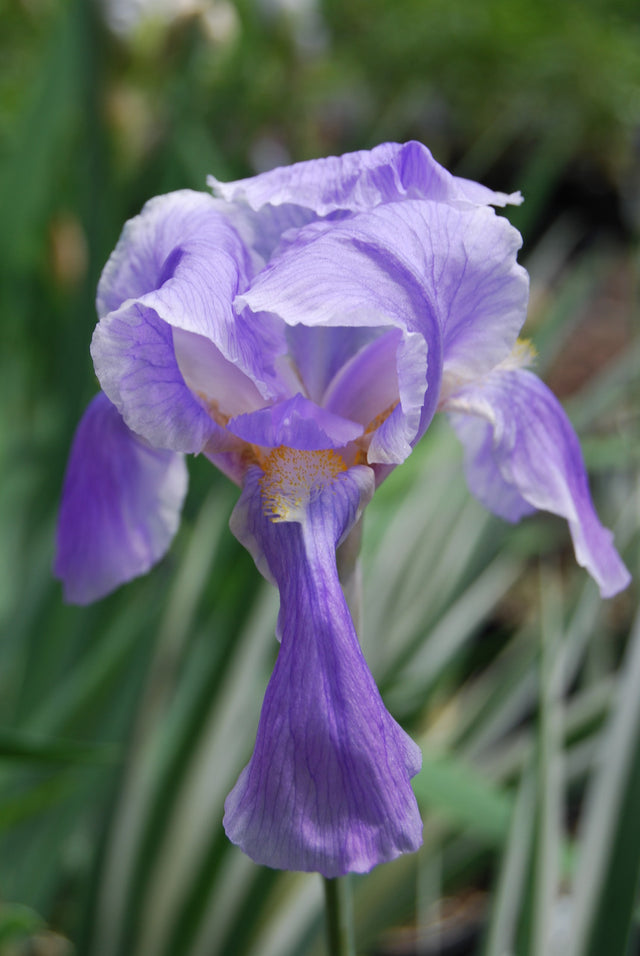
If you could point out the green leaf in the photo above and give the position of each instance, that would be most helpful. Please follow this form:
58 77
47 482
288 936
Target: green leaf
609 862
37 800
548 814
24 747
17 921
463 797
513 871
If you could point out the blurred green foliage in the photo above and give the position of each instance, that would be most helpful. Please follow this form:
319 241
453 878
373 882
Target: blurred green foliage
109 712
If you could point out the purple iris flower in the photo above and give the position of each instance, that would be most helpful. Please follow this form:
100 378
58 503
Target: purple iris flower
300 328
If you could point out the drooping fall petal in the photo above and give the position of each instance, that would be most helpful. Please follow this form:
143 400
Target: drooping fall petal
523 454
328 785
121 505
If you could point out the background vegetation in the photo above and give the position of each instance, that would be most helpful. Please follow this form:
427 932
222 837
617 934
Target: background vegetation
125 724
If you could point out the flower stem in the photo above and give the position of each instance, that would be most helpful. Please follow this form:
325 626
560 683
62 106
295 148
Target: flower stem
340 938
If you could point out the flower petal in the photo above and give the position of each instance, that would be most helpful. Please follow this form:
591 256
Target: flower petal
327 788
383 387
446 272
296 423
177 267
478 289
319 353
358 181
134 358
367 384
139 259
366 273
120 507
410 264
522 453
200 281
211 376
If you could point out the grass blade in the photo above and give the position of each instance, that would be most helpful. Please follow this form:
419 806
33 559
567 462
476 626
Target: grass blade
609 863
515 864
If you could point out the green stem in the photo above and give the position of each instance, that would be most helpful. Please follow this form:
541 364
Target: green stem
340 938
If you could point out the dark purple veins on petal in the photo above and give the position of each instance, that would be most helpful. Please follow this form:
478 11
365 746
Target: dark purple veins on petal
328 786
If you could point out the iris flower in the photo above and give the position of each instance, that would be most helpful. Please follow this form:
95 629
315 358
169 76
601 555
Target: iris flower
301 328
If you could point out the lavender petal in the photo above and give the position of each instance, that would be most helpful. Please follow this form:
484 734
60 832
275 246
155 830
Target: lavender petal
120 508
357 181
327 788
522 448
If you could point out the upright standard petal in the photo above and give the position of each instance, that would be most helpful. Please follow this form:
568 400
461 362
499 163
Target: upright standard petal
319 353
522 453
134 357
121 505
177 267
359 275
447 273
148 242
327 788
461 260
357 181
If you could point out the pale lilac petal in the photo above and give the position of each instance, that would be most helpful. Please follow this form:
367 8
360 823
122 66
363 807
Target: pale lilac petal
135 362
137 263
328 786
295 423
264 230
364 274
513 425
445 272
178 265
120 509
393 439
416 265
184 260
383 387
482 467
202 279
211 376
478 289
367 384
319 353
359 181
